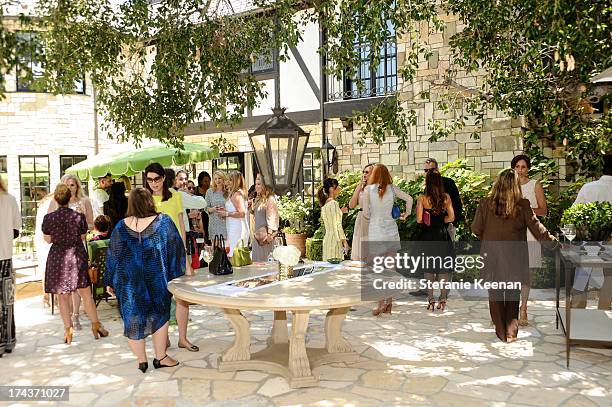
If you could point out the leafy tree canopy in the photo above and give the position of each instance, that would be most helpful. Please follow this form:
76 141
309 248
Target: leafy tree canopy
158 66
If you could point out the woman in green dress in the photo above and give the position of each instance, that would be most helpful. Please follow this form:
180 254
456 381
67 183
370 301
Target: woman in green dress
335 245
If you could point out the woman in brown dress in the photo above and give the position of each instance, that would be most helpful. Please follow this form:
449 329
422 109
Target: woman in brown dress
66 269
501 223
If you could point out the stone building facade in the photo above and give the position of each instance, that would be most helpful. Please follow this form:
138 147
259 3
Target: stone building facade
500 136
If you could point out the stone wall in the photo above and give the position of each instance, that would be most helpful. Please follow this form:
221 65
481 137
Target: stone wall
499 135
43 124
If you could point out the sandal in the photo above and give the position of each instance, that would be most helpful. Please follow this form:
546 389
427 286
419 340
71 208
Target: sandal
190 348
157 363
441 304
432 305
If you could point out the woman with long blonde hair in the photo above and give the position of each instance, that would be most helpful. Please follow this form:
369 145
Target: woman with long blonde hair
215 205
80 203
265 210
501 223
235 214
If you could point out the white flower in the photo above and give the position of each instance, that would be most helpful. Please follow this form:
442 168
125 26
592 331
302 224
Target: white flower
287 255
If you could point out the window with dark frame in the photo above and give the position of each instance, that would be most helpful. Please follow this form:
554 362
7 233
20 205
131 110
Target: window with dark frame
312 173
67 161
34 179
376 80
29 59
3 169
229 162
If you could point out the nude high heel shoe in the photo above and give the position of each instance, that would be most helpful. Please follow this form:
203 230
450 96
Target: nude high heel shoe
97 329
68 332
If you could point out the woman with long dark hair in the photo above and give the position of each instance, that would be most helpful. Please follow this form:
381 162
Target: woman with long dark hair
531 190
146 252
171 204
116 206
501 222
335 245
434 211
383 233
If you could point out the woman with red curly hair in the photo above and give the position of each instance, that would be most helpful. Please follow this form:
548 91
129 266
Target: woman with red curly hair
383 234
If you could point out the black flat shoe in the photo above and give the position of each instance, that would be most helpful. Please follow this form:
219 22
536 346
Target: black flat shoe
157 363
191 348
143 366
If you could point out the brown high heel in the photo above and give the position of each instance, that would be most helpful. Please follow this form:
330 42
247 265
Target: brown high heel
431 305
381 307
68 335
97 329
387 309
441 304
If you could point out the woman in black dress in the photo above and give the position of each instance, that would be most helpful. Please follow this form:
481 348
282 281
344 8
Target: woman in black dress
66 269
116 206
434 212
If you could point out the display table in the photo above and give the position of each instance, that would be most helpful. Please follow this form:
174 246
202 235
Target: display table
335 290
582 326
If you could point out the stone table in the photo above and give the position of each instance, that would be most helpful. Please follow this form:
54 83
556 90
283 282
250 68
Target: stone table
287 353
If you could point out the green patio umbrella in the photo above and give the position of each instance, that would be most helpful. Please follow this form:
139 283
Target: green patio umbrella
134 162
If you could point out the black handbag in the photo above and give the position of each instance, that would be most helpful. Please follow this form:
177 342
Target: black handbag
220 264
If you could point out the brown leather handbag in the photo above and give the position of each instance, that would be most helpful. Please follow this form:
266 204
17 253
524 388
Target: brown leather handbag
94 272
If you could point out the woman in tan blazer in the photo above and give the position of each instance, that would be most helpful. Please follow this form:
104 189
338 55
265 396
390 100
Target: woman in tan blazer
501 223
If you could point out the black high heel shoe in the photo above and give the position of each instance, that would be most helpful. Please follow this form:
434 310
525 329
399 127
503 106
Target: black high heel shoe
143 366
157 363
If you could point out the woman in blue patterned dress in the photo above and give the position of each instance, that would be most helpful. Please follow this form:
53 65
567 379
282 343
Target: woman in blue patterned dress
146 251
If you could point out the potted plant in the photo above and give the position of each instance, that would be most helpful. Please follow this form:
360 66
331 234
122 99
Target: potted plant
296 217
593 221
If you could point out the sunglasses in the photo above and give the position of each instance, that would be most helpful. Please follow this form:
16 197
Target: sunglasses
191 188
426 170
154 180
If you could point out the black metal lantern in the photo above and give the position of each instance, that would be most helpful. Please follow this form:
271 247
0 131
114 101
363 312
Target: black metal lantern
330 153
279 145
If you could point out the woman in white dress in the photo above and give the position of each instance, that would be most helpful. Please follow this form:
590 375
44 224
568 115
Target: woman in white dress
532 191
360 232
379 197
235 214
79 202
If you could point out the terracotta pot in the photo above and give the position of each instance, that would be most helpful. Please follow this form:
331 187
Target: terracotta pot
297 240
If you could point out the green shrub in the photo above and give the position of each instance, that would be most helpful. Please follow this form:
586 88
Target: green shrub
593 221
472 186
295 214
314 248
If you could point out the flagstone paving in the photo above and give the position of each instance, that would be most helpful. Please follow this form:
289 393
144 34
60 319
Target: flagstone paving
414 357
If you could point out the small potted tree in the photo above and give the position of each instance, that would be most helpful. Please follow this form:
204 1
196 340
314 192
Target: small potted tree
296 216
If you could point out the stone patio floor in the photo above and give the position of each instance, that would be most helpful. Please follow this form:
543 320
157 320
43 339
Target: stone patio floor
413 357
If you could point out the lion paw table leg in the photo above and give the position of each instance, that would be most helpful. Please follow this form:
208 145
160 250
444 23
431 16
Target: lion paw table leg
241 349
299 365
279 328
334 341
